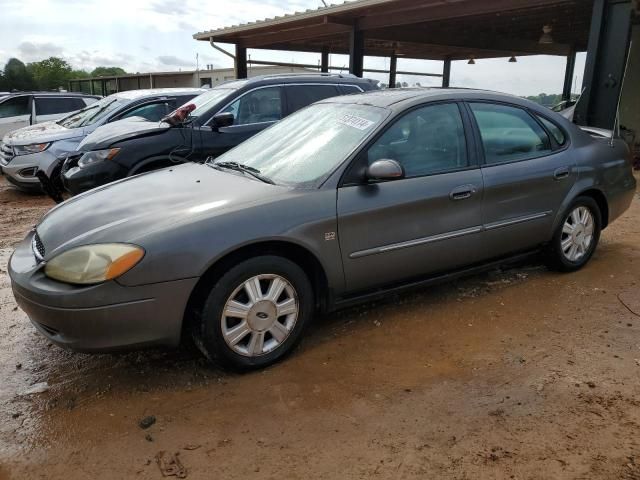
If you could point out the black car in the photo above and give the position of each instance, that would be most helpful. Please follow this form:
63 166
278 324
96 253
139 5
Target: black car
217 121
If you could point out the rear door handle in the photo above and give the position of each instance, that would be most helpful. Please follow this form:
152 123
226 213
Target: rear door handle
561 173
462 192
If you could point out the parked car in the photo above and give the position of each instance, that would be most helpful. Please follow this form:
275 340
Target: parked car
18 110
39 147
347 199
124 149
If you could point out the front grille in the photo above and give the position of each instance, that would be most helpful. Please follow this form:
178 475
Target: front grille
6 154
38 247
70 162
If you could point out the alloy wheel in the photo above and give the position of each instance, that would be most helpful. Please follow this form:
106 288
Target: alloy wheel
577 233
259 315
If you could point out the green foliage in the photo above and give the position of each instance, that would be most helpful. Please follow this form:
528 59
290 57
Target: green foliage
107 72
545 99
50 74
17 77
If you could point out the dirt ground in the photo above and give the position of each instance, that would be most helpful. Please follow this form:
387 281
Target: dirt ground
515 374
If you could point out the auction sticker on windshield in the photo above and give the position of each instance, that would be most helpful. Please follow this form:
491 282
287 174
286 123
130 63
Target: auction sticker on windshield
355 121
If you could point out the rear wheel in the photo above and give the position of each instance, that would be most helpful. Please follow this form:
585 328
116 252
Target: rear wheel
577 236
255 313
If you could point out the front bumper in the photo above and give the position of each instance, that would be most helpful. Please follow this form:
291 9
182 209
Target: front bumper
77 180
102 317
21 170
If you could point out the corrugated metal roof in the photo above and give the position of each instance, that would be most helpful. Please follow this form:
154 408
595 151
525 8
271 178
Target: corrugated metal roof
309 13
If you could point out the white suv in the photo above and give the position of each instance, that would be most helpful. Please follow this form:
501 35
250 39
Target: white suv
19 110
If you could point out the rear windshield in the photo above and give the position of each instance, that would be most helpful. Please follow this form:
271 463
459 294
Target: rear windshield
94 112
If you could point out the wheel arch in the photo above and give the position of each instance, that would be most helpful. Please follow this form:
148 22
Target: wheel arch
298 254
600 198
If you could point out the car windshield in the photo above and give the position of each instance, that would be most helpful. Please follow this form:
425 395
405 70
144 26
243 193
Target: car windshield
307 146
92 113
207 100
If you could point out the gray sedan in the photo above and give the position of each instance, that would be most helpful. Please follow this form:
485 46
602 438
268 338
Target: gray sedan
347 199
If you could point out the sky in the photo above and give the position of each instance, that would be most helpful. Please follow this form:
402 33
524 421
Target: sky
156 35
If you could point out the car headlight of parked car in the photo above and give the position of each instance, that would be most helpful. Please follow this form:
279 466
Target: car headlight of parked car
96 156
91 264
33 148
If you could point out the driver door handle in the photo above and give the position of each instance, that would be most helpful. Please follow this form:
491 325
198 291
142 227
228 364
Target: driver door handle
561 173
462 192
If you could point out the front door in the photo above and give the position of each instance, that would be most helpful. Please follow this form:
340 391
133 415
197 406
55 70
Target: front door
253 112
427 222
527 173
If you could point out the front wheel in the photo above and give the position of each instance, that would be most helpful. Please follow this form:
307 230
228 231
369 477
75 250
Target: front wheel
577 236
255 313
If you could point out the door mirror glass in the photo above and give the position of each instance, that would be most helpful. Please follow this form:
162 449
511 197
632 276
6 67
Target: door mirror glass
225 119
385 169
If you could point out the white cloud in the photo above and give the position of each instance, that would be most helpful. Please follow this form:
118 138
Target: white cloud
148 35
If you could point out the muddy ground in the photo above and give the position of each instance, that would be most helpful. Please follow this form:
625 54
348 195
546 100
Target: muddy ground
521 373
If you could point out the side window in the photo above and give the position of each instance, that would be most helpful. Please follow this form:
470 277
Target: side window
300 96
152 112
181 100
509 133
428 140
55 105
555 130
14 107
258 106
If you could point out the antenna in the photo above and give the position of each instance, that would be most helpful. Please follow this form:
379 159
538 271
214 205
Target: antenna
616 120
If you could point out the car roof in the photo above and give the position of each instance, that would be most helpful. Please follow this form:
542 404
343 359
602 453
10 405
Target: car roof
152 92
51 94
310 77
400 97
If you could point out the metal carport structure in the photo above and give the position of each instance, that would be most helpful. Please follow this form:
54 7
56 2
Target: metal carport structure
450 30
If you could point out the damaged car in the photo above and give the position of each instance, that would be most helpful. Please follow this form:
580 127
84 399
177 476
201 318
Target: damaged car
346 200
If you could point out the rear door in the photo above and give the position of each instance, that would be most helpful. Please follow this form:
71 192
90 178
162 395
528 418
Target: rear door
527 172
51 108
427 222
15 112
253 111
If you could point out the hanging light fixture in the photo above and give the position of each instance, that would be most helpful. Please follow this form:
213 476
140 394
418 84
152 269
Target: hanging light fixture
546 37
513 59
471 61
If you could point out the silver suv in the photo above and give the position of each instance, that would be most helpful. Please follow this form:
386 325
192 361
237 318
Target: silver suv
19 110
25 151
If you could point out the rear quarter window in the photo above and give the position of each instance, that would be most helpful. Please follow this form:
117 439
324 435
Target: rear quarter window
554 130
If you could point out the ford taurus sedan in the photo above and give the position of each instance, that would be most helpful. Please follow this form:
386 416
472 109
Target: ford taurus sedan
346 199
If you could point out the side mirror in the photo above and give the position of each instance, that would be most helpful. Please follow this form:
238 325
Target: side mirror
222 120
385 169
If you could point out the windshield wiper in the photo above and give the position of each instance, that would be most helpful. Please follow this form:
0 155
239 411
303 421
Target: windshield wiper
254 172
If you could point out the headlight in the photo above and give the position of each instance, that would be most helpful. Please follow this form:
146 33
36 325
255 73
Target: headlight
34 148
93 263
96 156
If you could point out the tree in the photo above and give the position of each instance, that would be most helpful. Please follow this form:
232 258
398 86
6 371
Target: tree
51 74
107 72
17 77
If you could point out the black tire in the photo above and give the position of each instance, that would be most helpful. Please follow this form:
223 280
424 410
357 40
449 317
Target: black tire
554 255
208 330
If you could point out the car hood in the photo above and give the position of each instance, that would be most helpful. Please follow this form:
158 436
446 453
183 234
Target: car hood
106 135
127 210
40 133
